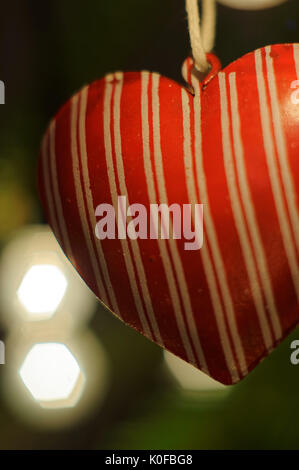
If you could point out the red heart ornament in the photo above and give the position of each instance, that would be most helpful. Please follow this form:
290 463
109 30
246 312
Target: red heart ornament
233 146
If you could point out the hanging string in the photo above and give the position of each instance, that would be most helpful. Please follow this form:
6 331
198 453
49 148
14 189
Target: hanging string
202 37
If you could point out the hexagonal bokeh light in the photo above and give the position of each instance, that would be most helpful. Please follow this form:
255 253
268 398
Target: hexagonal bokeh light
54 378
52 375
38 283
42 289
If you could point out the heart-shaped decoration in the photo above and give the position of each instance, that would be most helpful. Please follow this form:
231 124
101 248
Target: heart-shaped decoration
231 144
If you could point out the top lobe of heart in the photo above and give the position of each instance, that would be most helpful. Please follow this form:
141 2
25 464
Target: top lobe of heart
232 146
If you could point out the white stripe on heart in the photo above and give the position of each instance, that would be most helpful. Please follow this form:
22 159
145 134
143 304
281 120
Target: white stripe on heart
90 202
124 191
274 174
249 209
171 281
80 201
238 215
159 170
114 196
57 198
211 238
281 147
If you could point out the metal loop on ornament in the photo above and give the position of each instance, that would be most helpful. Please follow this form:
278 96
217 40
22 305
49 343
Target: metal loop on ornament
190 72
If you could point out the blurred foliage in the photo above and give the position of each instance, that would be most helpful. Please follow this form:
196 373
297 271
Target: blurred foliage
48 50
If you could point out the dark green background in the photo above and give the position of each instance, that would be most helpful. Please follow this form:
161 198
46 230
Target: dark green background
48 50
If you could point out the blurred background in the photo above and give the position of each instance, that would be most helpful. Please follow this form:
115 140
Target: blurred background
110 388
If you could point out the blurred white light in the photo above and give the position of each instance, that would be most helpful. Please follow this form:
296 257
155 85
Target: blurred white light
50 372
37 282
47 364
188 377
42 289
251 4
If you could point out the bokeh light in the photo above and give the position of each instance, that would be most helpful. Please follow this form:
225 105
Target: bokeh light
37 281
57 369
42 290
251 4
51 372
57 380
